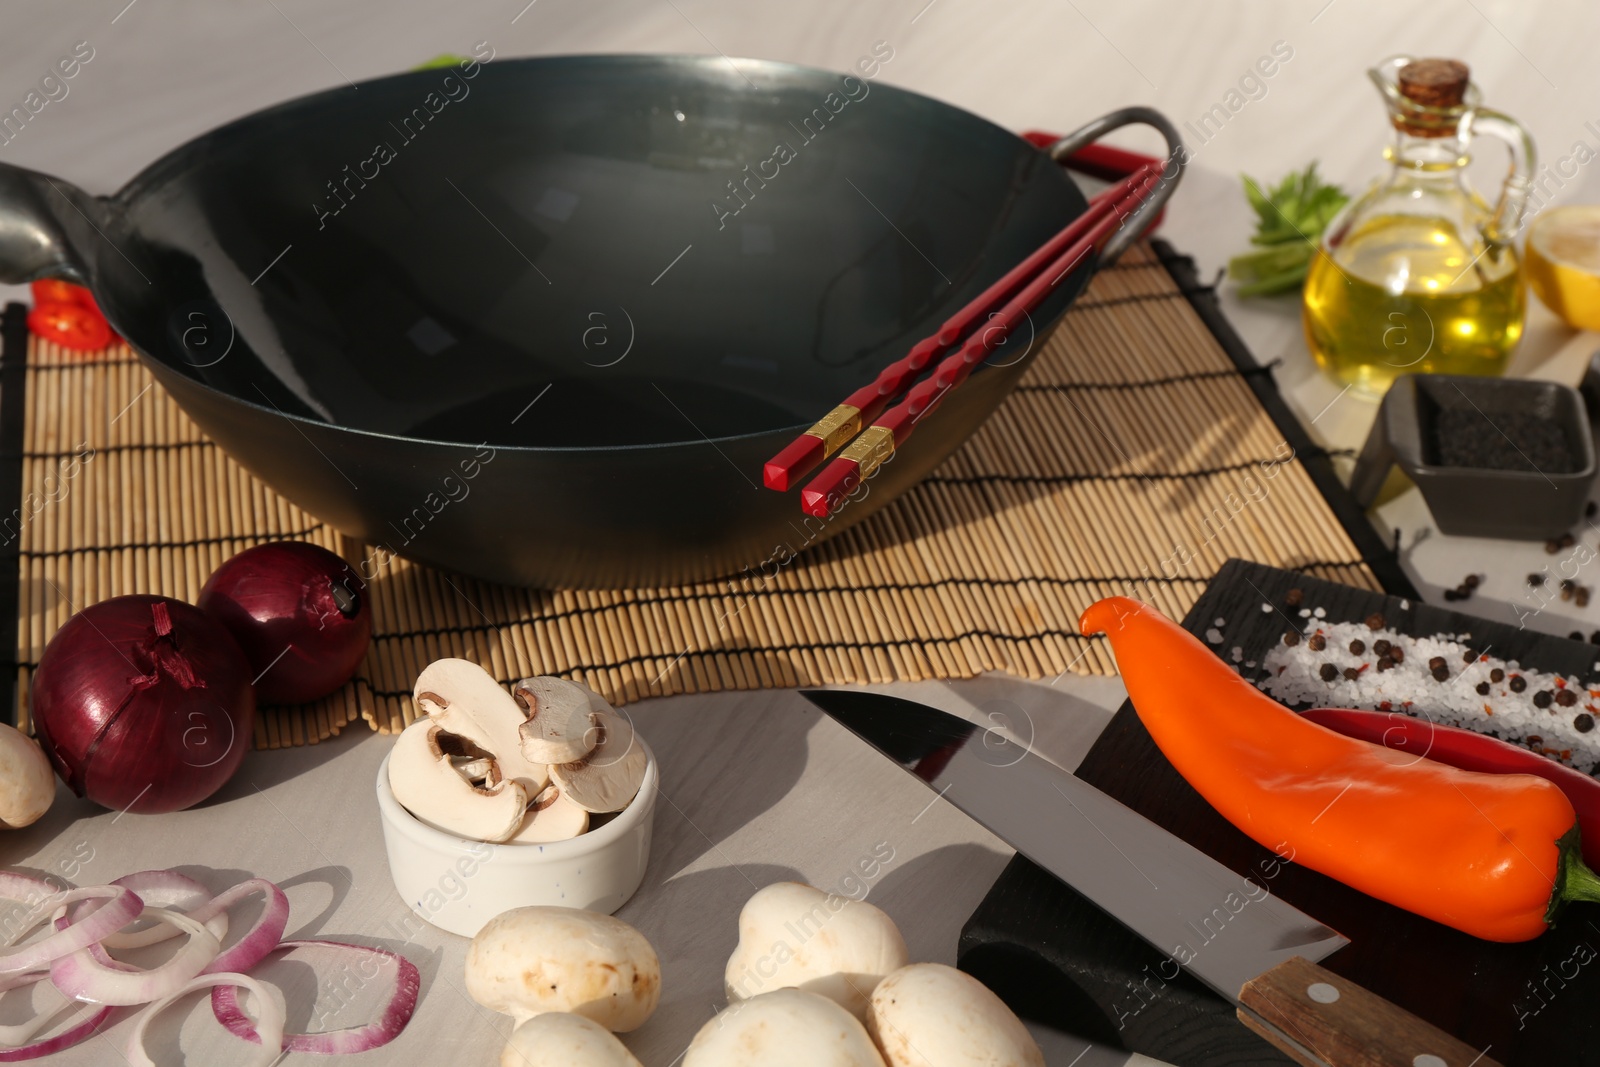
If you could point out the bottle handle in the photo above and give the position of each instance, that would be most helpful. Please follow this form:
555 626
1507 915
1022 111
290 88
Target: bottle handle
1508 211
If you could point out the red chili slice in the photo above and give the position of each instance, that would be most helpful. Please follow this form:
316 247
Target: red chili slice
70 325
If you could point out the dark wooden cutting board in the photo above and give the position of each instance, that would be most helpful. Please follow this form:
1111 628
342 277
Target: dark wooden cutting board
1060 960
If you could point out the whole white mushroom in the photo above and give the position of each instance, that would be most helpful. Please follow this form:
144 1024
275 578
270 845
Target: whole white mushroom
930 1015
27 784
784 1028
529 961
560 1039
793 935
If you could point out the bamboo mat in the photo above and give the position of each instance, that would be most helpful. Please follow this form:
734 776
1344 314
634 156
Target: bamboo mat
1133 458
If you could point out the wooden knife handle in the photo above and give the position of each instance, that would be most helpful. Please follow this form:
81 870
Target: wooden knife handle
1332 1022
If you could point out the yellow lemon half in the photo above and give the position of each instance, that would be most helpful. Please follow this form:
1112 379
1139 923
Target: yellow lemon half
1563 263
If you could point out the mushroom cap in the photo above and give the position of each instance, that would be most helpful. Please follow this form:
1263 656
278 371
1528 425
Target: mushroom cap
784 1028
610 775
551 817
529 961
794 935
462 697
560 724
27 784
561 1039
932 1006
427 784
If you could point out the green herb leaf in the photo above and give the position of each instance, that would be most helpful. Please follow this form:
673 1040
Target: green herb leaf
1290 216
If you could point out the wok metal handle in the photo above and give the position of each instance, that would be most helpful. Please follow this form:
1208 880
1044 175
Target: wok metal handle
1177 158
45 226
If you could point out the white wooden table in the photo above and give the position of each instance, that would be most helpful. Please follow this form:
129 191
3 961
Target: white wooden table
758 788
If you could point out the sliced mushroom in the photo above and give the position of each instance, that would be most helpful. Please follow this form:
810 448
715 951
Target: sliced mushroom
465 699
428 785
561 1039
611 774
551 817
560 726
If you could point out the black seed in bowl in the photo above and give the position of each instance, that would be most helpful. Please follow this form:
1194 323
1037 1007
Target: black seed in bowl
1329 672
1483 689
1358 646
1497 675
1566 698
1292 638
1509 441
1518 683
1316 642
1542 698
1584 722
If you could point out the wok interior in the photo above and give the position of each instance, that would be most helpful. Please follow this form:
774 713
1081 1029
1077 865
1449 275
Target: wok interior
573 252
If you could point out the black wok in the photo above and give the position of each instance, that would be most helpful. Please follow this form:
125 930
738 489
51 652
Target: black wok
542 320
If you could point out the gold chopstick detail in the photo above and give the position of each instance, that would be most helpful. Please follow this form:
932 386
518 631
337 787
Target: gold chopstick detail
871 450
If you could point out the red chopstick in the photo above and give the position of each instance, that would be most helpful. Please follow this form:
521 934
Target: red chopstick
876 445
860 408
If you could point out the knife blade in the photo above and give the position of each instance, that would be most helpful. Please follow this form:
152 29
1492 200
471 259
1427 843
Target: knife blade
1229 931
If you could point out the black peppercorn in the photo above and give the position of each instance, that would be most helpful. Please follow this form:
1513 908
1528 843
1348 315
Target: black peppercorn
1566 698
1435 663
1468 656
1375 621
1483 689
1441 673
1567 540
1497 675
1295 597
1552 547
1385 664
1351 673
1518 683
1584 722
1329 672
1291 638
1397 654
1471 581
1381 647
1542 698
1316 642
1576 635
1358 646
1452 594
1536 578
1581 597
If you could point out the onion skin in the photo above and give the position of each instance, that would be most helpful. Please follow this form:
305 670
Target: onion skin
138 720
278 600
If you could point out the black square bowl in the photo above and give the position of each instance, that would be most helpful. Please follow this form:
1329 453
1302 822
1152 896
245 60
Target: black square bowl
1529 504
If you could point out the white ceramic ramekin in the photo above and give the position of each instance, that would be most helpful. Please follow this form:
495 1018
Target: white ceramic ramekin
459 885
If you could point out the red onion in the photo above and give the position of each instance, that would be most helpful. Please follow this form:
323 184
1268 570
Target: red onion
269 1002
120 908
162 889
261 938
299 612
143 704
92 975
86 1020
396 1010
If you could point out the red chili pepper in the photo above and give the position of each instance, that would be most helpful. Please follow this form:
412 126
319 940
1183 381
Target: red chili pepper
1471 752
70 326
57 291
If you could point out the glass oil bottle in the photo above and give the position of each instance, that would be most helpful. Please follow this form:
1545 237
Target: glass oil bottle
1420 274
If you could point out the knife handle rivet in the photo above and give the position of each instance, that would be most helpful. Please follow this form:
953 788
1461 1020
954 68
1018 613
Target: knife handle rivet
1428 1059
1323 993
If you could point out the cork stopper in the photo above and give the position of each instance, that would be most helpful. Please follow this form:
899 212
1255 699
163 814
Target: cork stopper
1434 82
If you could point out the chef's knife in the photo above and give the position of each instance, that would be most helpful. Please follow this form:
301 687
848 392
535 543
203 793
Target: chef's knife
1230 932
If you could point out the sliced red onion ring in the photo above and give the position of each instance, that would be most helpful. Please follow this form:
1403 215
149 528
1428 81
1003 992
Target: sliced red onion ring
121 907
99 979
16 1034
162 889
257 941
85 1020
396 1012
25 887
269 1026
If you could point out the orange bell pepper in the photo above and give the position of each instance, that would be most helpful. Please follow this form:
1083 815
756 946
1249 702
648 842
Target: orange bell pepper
1494 855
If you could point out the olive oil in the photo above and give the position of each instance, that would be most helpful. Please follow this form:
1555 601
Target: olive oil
1402 294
